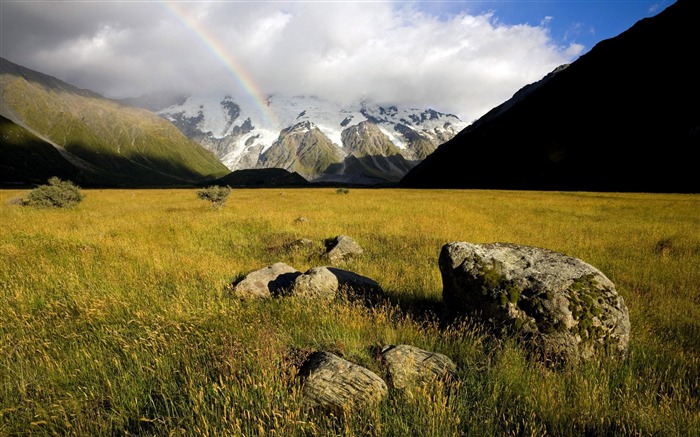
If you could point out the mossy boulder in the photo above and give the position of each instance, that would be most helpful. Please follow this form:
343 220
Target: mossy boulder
566 309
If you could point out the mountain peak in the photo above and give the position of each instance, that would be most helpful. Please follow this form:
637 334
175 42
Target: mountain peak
240 134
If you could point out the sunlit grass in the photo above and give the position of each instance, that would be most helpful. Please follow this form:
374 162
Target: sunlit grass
115 320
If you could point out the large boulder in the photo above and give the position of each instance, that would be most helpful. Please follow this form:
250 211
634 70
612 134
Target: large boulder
332 383
271 281
567 309
411 367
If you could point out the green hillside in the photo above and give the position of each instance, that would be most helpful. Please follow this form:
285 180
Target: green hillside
113 145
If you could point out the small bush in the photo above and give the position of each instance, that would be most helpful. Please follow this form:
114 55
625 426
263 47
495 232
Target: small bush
55 194
215 194
342 190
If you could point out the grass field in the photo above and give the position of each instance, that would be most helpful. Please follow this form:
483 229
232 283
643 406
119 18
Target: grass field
115 319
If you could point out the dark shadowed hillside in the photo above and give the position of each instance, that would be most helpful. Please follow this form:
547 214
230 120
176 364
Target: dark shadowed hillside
27 159
261 177
623 117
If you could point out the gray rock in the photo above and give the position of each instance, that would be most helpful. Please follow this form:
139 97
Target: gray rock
354 285
273 280
567 309
300 243
341 248
317 282
410 367
332 383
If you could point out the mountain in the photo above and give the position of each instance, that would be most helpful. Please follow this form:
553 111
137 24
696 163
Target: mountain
321 140
623 117
51 128
301 148
261 177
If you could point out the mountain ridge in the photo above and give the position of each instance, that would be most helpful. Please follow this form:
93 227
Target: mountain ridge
235 130
622 117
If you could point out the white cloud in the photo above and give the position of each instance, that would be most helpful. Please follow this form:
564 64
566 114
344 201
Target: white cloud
341 50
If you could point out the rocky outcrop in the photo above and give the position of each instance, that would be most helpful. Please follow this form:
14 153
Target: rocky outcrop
332 383
410 367
565 308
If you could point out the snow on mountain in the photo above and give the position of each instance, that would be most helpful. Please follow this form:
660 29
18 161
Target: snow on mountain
240 130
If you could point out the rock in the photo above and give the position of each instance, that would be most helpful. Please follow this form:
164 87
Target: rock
355 285
300 243
567 309
331 383
267 282
317 282
411 367
341 248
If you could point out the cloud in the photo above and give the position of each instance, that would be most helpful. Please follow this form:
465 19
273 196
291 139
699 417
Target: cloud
346 51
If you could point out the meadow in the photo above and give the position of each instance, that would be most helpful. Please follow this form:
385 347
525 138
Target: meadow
115 318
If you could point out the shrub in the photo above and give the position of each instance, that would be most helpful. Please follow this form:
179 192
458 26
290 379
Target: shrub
215 194
55 194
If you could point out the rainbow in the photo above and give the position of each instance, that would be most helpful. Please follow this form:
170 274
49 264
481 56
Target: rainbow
223 55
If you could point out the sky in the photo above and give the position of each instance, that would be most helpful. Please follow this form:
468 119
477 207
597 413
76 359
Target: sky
459 57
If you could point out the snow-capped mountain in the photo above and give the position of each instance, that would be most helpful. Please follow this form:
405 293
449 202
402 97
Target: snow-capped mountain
314 137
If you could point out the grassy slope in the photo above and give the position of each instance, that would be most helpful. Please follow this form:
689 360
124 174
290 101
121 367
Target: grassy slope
115 319
128 145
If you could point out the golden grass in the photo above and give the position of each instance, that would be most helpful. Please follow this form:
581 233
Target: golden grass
114 316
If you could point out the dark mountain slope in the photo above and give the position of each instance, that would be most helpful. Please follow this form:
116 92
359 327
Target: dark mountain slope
26 159
261 177
623 117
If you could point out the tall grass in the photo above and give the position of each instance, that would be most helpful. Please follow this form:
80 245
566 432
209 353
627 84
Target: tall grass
115 320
